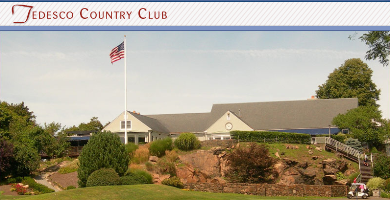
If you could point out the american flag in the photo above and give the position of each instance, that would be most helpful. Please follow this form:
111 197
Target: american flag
117 53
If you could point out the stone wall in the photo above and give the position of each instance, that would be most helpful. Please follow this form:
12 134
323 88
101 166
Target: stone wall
271 189
218 143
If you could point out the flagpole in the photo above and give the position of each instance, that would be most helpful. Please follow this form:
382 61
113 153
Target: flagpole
125 93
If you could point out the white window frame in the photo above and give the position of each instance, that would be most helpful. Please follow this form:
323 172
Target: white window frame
128 123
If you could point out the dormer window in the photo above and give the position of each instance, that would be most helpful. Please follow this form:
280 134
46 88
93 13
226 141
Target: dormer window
128 123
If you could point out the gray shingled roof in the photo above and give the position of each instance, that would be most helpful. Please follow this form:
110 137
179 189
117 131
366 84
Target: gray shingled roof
179 123
151 123
316 113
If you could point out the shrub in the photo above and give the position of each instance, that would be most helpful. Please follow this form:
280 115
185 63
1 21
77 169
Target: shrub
173 181
171 155
15 180
374 150
187 142
340 176
386 185
251 164
42 189
131 148
27 159
103 150
271 137
19 189
149 166
166 167
69 168
339 137
354 143
141 155
158 147
375 183
385 194
140 172
70 187
103 177
382 166
133 179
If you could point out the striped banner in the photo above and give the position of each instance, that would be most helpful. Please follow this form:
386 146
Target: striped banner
143 14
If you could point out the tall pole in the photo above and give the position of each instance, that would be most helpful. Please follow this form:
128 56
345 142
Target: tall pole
125 93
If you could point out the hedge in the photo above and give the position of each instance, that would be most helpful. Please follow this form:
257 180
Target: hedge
103 177
271 137
42 189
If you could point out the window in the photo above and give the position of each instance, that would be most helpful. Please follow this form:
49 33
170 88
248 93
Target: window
123 125
228 116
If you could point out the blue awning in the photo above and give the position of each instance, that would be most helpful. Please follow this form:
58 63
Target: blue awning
74 138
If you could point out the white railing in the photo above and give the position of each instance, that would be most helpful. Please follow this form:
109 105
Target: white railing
338 146
342 147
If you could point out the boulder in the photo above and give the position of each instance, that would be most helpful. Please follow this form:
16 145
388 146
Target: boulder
216 150
329 179
342 182
279 167
158 178
303 164
153 159
310 172
290 162
330 170
277 154
287 180
340 165
205 161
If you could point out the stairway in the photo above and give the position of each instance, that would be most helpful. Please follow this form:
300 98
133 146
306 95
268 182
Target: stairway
365 171
350 153
345 150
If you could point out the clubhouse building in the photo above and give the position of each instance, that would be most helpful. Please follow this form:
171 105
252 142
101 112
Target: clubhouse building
312 116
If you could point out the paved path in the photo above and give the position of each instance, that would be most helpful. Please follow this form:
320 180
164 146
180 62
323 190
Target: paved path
42 179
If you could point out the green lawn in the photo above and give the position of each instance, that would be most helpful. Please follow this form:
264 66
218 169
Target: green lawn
146 192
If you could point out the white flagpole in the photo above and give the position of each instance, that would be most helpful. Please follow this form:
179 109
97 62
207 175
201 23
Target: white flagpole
125 93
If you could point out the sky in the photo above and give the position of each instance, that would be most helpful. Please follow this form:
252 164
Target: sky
67 77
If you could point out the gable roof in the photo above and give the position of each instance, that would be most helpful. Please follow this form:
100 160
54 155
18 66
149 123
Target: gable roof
150 122
278 115
317 113
187 122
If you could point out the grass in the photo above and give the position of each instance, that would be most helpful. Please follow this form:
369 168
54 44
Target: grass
302 151
148 192
69 168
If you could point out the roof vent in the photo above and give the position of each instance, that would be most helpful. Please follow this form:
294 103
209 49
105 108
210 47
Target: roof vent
239 112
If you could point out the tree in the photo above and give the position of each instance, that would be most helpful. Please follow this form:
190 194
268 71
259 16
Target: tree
379 46
251 164
52 128
365 124
382 166
6 157
103 150
93 125
350 80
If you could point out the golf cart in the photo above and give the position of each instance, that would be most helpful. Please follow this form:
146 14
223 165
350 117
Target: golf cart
358 190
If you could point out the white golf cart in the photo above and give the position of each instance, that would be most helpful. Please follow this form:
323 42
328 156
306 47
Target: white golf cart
358 190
